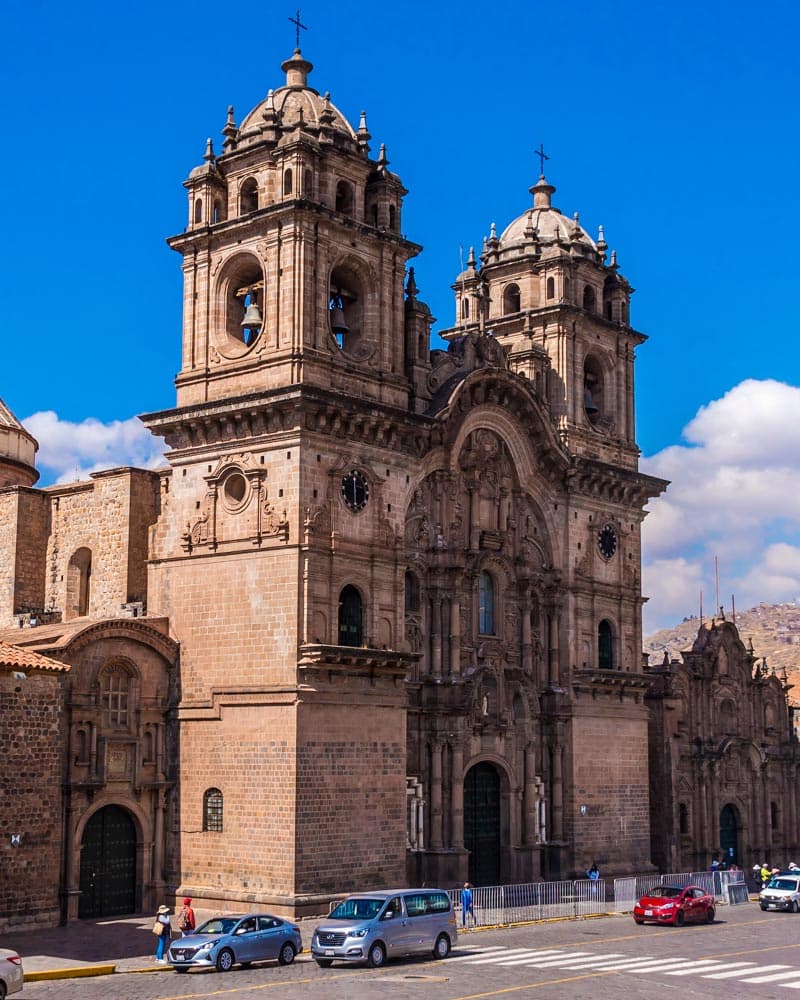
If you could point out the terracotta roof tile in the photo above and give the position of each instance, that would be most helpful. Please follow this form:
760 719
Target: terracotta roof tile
14 657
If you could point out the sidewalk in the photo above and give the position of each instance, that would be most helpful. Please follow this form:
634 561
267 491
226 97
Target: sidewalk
99 947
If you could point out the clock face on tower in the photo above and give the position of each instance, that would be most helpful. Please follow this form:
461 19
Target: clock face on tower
355 489
607 541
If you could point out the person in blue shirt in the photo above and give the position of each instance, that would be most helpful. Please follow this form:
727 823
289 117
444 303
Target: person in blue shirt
467 905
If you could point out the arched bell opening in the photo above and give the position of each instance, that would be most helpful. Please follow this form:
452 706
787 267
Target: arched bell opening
243 297
248 196
346 308
351 617
511 299
605 645
79 580
592 389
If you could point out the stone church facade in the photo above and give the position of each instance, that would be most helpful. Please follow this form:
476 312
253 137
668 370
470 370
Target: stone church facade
379 619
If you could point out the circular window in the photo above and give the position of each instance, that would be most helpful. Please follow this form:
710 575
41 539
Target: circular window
235 489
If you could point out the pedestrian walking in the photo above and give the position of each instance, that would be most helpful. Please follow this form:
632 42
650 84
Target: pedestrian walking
186 918
593 874
163 931
467 908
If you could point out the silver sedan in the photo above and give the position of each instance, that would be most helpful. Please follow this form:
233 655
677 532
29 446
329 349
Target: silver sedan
223 941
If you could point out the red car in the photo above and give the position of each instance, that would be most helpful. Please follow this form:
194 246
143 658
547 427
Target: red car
676 905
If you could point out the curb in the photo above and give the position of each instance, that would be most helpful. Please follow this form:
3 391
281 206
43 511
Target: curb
77 972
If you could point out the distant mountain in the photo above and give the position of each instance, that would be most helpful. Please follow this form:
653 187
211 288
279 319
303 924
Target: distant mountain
773 628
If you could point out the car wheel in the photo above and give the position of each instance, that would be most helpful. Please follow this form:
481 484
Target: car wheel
794 906
680 918
638 920
324 963
2 991
286 954
710 914
225 960
377 956
442 947
763 907
180 969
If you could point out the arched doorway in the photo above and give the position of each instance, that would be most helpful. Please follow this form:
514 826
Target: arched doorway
482 823
729 834
108 864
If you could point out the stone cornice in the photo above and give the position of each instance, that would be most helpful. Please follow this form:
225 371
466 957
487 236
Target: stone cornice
591 478
617 683
356 660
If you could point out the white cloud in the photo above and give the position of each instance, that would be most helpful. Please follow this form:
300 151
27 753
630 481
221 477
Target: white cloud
735 495
69 451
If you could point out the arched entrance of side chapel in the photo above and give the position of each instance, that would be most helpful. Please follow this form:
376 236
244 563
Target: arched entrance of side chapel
482 802
729 834
108 864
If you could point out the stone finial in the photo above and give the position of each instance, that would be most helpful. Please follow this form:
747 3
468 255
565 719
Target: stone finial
296 69
209 156
230 131
326 116
471 262
411 285
383 161
542 193
362 135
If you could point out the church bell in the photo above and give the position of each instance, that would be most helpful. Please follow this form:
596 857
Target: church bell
253 320
338 322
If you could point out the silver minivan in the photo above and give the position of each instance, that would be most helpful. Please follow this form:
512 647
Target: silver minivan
374 926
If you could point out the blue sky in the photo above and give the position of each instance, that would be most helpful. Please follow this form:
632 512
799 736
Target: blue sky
673 125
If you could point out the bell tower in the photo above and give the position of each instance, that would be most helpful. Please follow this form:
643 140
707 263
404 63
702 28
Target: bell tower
549 294
293 257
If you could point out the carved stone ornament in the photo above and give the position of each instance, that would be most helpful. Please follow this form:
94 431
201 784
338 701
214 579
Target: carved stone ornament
466 354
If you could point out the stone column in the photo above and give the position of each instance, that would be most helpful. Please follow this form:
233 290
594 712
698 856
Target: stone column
474 519
527 648
457 797
436 633
557 818
455 636
436 796
529 803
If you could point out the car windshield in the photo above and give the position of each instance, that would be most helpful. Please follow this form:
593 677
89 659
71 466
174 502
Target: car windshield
219 925
668 891
357 909
782 883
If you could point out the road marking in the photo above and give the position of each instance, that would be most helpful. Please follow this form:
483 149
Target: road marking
774 978
701 966
531 955
511 953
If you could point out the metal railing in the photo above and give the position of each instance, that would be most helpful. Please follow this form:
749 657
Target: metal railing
575 898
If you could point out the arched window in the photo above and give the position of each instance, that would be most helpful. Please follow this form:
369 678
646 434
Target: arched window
593 403
485 604
551 288
287 182
198 210
465 308
609 307
219 212
412 592
308 184
588 298
79 576
351 627
115 684
248 196
683 819
605 654
393 218
344 198
212 811
511 302
773 816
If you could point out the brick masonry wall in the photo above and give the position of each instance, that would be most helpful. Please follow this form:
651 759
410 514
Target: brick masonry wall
610 778
351 797
31 740
249 755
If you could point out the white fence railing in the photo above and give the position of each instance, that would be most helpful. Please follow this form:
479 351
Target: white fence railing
511 904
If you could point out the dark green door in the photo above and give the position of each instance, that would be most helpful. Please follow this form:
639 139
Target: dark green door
482 824
108 864
729 834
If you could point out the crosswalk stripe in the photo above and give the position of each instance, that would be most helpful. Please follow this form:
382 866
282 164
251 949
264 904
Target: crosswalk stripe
579 963
790 986
773 978
733 969
531 956
561 960
706 965
511 953
644 965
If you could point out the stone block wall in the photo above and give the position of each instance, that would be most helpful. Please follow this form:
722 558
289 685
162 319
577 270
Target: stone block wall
31 749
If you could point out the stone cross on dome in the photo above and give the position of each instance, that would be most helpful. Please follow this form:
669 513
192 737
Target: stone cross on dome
542 157
297 26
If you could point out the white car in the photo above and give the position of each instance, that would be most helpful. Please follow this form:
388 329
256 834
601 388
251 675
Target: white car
10 973
782 892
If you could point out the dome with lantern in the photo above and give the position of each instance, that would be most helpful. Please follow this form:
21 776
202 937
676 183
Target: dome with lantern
545 224
17 451
294 105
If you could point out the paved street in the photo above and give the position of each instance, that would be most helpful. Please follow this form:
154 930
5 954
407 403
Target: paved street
747 953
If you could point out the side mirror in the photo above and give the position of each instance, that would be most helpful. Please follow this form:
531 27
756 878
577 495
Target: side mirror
388 915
